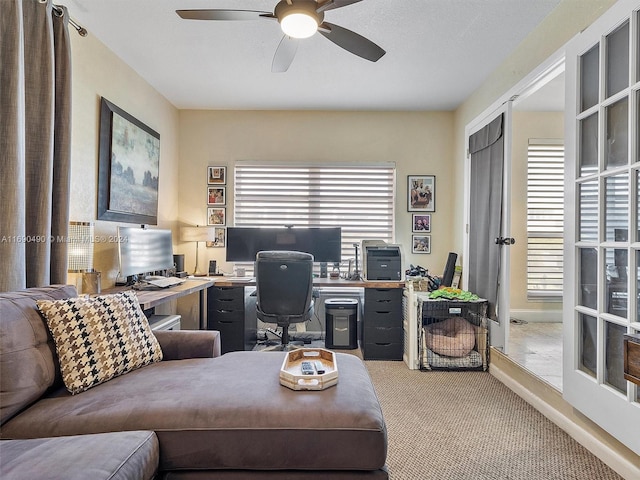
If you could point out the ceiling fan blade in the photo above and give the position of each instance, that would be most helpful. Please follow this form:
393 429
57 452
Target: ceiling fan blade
332 4
285 53
222 14
352 42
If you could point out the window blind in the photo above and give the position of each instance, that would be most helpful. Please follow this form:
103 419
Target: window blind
358 198
545 215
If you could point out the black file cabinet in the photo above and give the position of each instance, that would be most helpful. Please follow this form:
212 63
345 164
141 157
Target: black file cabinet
382 335
226 313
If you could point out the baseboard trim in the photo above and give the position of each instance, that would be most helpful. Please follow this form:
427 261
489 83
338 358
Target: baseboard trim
542 316
548 401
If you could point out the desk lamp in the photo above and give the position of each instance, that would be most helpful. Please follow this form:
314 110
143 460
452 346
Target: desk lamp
80 241
197 234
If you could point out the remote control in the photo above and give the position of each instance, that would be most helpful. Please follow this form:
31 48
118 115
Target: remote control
307 368
319 367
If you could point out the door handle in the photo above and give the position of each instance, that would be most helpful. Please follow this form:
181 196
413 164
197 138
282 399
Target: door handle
505 241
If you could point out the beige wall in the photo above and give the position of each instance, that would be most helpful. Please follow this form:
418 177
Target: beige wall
562 24
526 125
418 143
97 72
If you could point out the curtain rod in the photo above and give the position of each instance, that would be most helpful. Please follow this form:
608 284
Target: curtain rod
79 28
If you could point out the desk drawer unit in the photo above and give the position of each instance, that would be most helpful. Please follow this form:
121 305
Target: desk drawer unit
382 335
225 313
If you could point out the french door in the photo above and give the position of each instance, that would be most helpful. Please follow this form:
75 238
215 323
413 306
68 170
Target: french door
602 221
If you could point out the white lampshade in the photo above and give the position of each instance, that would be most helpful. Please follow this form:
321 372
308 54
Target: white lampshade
197 234
80 247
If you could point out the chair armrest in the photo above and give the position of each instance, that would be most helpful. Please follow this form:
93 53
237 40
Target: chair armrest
183 344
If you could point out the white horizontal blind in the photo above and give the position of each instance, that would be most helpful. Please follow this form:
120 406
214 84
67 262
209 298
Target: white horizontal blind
358 198
545 214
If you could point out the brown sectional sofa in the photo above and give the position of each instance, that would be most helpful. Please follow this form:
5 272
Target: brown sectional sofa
213 416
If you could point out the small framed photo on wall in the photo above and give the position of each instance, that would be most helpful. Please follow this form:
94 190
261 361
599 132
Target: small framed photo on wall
420 243
217 175
216 196
221 235
421 223
421 193
216 216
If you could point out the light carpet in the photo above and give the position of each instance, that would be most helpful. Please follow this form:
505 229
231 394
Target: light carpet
467 425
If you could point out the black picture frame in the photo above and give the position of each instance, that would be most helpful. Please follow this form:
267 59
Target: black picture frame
128 167
216 175
420 243
216 196
421 193
421 223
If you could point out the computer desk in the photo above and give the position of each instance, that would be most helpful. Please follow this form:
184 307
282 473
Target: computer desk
381 333
223 305
152 298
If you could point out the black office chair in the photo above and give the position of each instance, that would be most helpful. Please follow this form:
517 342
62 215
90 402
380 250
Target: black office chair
284 288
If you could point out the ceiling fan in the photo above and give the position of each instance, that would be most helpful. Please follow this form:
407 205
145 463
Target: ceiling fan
298 19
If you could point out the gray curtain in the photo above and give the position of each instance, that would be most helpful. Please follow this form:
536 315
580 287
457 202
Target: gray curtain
35 104
486 148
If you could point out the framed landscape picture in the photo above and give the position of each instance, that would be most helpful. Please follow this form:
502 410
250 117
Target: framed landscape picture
128 168
421 193
420 243
421 223
216 175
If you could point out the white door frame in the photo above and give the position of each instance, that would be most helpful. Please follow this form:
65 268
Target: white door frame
499 336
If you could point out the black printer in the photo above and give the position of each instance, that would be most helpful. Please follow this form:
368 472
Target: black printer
382 262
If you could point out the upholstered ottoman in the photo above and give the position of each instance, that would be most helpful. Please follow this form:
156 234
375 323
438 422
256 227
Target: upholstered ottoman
229 414
106 456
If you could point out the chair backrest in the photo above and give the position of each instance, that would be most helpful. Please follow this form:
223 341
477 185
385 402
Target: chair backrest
284 284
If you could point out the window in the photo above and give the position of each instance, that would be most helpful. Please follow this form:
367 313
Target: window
545 213
358 198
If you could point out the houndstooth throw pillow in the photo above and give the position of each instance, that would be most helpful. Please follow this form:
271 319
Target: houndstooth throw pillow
99 338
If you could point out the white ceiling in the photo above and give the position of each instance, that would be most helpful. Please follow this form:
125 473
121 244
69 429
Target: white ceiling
438 52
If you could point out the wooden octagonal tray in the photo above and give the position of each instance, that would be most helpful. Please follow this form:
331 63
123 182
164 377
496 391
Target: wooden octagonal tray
291 372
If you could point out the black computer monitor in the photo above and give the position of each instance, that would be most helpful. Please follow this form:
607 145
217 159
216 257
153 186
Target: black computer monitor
324 243
449 269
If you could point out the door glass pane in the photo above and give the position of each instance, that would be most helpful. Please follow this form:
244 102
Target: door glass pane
637 159
637 226
637 50
617 67
637 229
616 211
588 273
588 211
588 343
616 293
589 64
636 291
588 155
613 356
617 116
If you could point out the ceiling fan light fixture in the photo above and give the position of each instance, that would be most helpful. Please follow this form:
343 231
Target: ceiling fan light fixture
298 18
299 25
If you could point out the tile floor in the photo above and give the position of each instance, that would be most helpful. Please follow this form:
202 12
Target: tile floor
537 346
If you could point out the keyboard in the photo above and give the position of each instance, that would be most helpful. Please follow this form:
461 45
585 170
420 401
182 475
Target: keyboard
165 282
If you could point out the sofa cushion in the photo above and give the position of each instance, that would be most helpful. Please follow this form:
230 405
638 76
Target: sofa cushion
229 412
27 354
99 338
106 456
